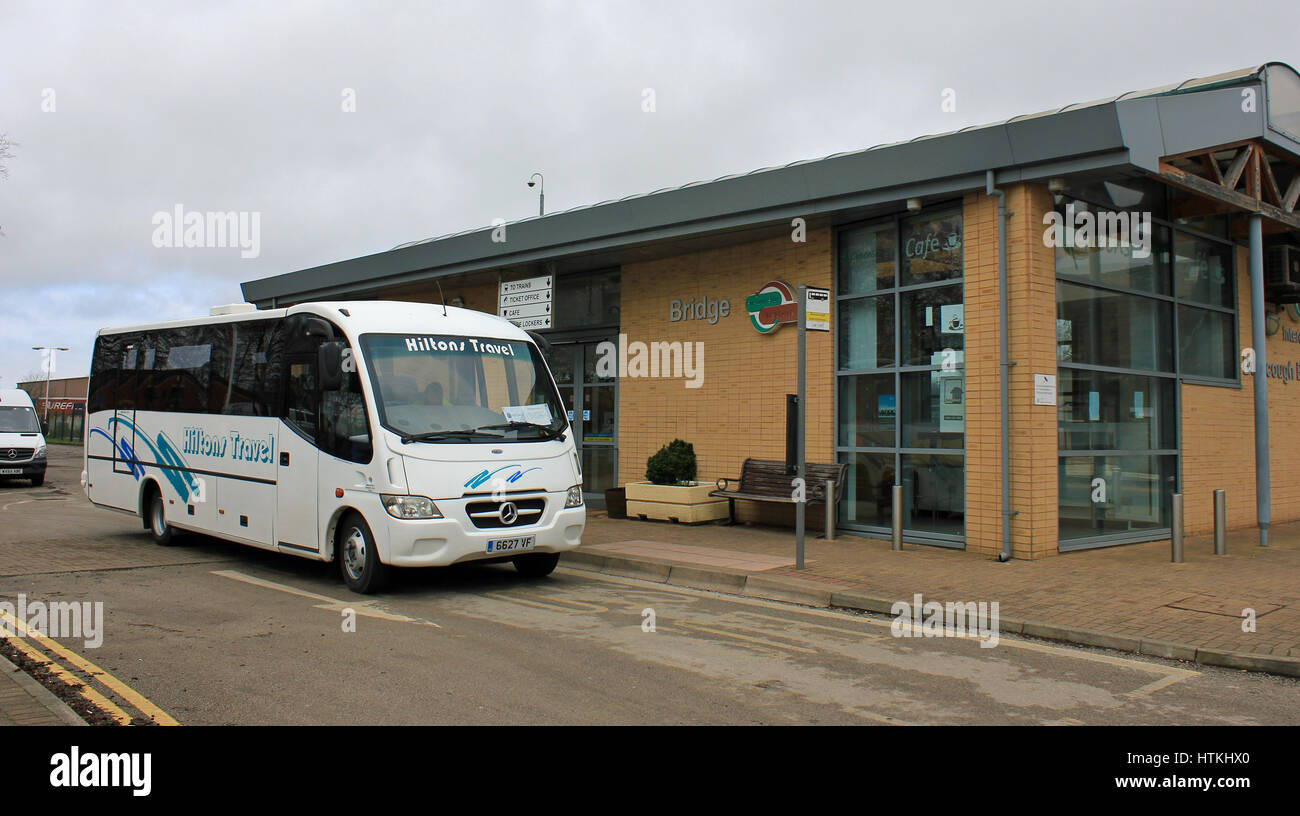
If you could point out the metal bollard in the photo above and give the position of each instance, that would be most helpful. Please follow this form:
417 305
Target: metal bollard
830 510
1176 533
1220 522
896 531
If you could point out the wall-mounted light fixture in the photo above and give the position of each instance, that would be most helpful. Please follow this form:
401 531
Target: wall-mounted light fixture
914 205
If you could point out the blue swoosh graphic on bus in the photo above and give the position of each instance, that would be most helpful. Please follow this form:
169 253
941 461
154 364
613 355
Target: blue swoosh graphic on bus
483 475
164 453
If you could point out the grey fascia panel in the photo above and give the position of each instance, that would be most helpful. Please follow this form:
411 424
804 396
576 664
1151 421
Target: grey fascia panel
1210 118
1094 129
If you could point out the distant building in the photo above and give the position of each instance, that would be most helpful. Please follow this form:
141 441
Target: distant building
66 410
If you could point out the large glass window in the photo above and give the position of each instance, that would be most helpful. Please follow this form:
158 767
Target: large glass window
1129 325
901 401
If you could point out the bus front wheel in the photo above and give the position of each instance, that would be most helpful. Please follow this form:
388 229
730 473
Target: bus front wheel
163 534
537 565
358 558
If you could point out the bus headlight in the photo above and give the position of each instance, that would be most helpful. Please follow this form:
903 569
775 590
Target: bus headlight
410 507
40 452
574 499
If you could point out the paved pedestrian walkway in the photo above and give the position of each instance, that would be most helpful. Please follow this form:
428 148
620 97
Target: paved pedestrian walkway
23 701
1132 591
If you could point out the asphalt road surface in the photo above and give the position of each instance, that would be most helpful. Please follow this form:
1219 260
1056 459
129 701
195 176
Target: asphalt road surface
217 633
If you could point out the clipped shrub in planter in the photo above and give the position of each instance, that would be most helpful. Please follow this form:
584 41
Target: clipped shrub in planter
671 492
673 464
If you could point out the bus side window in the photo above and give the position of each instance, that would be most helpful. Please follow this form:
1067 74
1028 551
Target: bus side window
300 396
345 429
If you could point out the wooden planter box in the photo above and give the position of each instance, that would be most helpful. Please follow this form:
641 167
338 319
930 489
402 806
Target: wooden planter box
688 504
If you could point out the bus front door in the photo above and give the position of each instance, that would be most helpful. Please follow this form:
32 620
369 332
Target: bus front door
296 477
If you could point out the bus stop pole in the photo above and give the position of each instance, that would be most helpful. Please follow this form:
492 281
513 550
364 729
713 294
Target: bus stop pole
800 468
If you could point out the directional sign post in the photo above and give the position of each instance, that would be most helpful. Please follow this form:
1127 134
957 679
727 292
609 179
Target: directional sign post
527 302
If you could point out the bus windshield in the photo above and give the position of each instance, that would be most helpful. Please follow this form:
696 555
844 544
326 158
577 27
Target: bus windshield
440 388
18 419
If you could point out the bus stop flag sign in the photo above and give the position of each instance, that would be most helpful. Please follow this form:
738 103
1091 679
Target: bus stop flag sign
817 309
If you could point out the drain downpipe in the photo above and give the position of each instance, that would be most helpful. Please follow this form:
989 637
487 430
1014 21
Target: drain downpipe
990 189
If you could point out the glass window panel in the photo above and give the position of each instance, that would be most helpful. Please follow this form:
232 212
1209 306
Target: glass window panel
598 425
1103 411
588 299
868 410
599 469
866 259
1121 194
934 493
1098 327
932 248
869 479
1202 270
867 332
1146 270
934 325
1102 495
1207 344
1283 89
934 409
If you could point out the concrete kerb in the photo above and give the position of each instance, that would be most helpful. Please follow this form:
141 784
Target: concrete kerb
42 695
808 593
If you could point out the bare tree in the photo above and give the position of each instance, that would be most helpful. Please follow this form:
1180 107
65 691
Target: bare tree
5 153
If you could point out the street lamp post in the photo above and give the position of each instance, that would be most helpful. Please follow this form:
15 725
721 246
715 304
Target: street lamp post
541 198
49 370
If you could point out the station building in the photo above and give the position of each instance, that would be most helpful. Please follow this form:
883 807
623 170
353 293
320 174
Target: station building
1136 255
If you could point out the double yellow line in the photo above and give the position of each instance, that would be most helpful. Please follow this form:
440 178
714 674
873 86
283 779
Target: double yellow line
68 677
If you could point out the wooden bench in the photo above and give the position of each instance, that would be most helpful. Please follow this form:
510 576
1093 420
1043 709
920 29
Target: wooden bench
766 480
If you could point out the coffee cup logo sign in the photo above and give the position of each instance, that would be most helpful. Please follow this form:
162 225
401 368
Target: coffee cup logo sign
771 306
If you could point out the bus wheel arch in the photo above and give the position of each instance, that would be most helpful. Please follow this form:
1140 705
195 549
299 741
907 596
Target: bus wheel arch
148 487
358 554
155 514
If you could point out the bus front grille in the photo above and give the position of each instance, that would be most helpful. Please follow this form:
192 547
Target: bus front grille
521 513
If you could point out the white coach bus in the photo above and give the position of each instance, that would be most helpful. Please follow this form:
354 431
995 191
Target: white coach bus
375 433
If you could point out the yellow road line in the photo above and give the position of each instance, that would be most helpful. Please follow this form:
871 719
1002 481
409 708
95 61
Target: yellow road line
72 681
135 698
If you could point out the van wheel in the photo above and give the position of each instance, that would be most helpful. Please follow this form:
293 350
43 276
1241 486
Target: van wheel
358 556
163 534
537 565
37 481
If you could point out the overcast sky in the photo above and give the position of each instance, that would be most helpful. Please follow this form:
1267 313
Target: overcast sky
240 107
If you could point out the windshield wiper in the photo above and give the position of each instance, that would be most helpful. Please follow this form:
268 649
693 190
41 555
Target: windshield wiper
432 435
547 431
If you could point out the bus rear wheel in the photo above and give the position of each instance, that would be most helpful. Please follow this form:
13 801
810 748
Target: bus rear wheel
358 557
163 534
537 565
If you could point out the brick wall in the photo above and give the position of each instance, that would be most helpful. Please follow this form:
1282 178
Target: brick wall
740 410
1218 433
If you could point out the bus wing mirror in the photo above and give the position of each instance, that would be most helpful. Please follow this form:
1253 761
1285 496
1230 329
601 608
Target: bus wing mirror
542 344
330 366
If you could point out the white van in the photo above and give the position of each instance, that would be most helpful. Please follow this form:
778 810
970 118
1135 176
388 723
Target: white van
22 445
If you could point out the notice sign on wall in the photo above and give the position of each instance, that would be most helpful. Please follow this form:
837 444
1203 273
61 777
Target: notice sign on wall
1044 389
817 309
526 303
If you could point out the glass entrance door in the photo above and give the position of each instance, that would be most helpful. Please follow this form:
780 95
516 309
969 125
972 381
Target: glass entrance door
592 404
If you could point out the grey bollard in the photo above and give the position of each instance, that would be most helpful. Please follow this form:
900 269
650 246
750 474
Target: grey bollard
1176 533
830 510
896 531
1220 522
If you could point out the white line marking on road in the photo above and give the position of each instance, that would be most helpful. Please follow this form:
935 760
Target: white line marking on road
15 504
365 609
